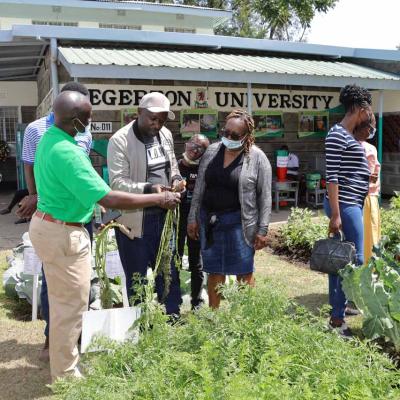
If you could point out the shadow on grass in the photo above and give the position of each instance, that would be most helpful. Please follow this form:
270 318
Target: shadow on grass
15 308
313 302
23 375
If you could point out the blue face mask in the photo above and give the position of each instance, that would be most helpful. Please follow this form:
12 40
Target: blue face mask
232 144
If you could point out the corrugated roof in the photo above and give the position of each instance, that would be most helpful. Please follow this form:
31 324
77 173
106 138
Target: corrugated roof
220 62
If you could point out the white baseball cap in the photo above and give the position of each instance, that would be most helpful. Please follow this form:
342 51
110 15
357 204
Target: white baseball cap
156 102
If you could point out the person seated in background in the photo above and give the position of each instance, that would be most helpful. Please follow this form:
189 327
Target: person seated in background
371 213
293 165
195 147
18 196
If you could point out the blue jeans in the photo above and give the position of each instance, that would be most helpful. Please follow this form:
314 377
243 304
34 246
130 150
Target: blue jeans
353 230
140 253
44 299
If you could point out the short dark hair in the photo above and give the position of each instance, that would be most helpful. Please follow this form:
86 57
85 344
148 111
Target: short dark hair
75 87
352 96
284 147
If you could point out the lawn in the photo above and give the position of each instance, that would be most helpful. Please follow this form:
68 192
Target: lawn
23 376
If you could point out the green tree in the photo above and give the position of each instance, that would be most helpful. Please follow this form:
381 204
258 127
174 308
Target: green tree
274 19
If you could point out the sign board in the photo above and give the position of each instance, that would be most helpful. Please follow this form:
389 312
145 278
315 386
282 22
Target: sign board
113 264
101 127
32 263
117 97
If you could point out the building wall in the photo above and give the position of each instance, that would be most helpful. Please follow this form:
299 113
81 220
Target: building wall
91 18
309 150
390 173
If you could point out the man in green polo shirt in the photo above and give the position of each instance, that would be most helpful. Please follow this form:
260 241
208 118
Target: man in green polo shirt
68 189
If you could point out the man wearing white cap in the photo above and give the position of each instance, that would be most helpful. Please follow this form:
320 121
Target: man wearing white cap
141 159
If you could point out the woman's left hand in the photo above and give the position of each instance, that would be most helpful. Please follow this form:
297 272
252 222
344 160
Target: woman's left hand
260 242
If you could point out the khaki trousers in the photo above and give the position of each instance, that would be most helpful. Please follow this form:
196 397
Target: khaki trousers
372 225
66 255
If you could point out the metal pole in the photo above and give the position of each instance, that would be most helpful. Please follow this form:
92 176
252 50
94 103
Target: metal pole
249 98
53 66
380 126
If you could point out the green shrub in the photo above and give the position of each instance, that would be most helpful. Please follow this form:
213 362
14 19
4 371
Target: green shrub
395 201
257 346
390 226
301 231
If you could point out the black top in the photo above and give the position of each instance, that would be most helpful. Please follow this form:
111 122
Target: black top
222 184
189 174
158 165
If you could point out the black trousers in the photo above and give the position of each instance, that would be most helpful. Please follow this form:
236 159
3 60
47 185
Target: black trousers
195 264
18 196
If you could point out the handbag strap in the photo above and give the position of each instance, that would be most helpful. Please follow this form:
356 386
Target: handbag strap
334 235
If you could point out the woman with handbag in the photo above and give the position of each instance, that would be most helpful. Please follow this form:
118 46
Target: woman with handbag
231 204
347 176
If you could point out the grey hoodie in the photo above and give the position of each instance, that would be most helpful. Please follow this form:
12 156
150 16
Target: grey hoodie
254 191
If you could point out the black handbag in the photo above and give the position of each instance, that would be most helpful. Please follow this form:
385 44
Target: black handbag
332 254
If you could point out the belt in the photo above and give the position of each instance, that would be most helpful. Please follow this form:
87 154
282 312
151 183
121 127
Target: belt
49 218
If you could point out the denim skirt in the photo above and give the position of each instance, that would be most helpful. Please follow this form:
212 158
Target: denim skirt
224 250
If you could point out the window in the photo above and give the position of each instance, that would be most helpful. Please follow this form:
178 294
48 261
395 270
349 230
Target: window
55 23
180 30
120 26
8 123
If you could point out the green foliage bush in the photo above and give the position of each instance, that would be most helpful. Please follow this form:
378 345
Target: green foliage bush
257 346
301 231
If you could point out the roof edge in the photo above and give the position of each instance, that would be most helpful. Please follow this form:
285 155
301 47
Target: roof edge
200 40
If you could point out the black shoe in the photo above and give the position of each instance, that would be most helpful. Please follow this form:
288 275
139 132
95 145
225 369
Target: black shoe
340 328
5 211
174 319
21 221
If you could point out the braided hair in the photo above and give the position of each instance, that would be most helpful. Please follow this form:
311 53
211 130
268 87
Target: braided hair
249 122
352 96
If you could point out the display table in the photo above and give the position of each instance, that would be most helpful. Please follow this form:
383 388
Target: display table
285 191
315 197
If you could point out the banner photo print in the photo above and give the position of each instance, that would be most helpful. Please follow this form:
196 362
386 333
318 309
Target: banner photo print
203 121
313 124
128 115
268 124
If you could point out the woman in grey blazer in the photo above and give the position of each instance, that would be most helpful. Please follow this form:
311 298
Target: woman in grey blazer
231 204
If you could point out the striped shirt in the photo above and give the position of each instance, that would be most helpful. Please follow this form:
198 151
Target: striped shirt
34 132
346 165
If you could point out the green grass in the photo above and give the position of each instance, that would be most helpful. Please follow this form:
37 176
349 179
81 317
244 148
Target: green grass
22 375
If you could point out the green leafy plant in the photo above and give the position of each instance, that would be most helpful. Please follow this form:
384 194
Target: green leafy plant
375 289
167 249
103 245
395 201
299 234
258 345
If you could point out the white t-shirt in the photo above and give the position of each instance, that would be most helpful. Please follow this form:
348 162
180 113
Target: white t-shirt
293 164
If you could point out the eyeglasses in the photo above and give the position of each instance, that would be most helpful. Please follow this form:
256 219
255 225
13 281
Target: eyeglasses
231 135
196 148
